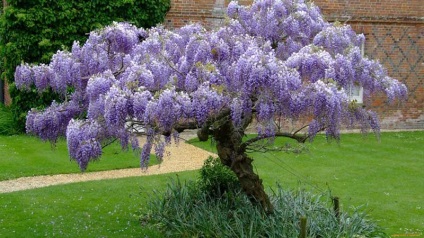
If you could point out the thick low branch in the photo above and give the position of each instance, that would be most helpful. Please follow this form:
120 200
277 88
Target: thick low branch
298 138
294 135
186 126
180 127
204 132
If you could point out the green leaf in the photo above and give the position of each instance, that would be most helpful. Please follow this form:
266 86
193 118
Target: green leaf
44 43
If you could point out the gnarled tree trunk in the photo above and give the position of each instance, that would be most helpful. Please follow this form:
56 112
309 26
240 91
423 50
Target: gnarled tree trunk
231 154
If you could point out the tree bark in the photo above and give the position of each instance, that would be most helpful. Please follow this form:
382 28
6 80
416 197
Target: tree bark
4 86
232 154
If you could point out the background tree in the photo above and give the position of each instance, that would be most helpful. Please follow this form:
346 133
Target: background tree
33 30
2 90
272 61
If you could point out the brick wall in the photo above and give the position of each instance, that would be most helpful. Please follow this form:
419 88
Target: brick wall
400 48
372 9
395 35
185 11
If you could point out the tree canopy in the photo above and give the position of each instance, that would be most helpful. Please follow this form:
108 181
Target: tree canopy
271 60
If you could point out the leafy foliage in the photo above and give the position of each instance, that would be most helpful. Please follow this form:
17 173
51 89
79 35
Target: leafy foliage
33 30
184 210
216 179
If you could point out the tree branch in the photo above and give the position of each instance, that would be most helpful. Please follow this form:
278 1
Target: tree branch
180 127
171 65
109 143
186 126
303 127
205 131
298 138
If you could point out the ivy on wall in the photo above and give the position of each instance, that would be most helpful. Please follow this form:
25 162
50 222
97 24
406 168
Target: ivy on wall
33 30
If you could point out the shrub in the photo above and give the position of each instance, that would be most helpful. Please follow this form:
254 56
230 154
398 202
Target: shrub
189 210
33 30
216 179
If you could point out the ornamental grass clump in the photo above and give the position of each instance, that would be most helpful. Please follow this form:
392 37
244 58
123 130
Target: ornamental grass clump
189 209
186 211
7 124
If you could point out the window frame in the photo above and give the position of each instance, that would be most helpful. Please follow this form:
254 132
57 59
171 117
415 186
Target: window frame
359 97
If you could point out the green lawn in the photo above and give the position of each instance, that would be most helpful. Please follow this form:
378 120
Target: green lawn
105 208
386 175
23 156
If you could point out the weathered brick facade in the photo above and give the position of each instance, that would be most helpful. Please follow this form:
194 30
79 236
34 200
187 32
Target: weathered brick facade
395 35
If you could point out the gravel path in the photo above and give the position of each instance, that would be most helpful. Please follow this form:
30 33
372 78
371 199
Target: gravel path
183 157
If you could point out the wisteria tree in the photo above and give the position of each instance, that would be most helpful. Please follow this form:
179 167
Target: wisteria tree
273 61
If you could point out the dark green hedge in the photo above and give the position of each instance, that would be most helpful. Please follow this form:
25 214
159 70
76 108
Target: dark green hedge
33 30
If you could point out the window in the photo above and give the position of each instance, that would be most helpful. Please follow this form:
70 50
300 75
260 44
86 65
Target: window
356 92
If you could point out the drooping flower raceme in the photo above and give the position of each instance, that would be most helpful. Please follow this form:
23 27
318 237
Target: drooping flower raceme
274 59
84 141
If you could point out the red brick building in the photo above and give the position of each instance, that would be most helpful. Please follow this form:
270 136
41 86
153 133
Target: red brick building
395 35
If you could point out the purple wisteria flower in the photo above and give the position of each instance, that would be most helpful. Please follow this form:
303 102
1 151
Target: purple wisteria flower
24 77
145 155
51 123
116 107
66 72
83 139
273 60
99 84
43 75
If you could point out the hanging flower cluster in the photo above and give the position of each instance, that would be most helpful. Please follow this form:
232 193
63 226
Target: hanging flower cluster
275 58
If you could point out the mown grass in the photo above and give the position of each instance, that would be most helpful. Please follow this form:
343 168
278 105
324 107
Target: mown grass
23 155
105 208
385 175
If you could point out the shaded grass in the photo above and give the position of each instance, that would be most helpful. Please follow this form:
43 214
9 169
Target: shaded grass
7 123
387 175
23 155
103 208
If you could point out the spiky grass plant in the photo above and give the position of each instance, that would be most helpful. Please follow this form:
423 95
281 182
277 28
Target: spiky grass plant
8 125
189 210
